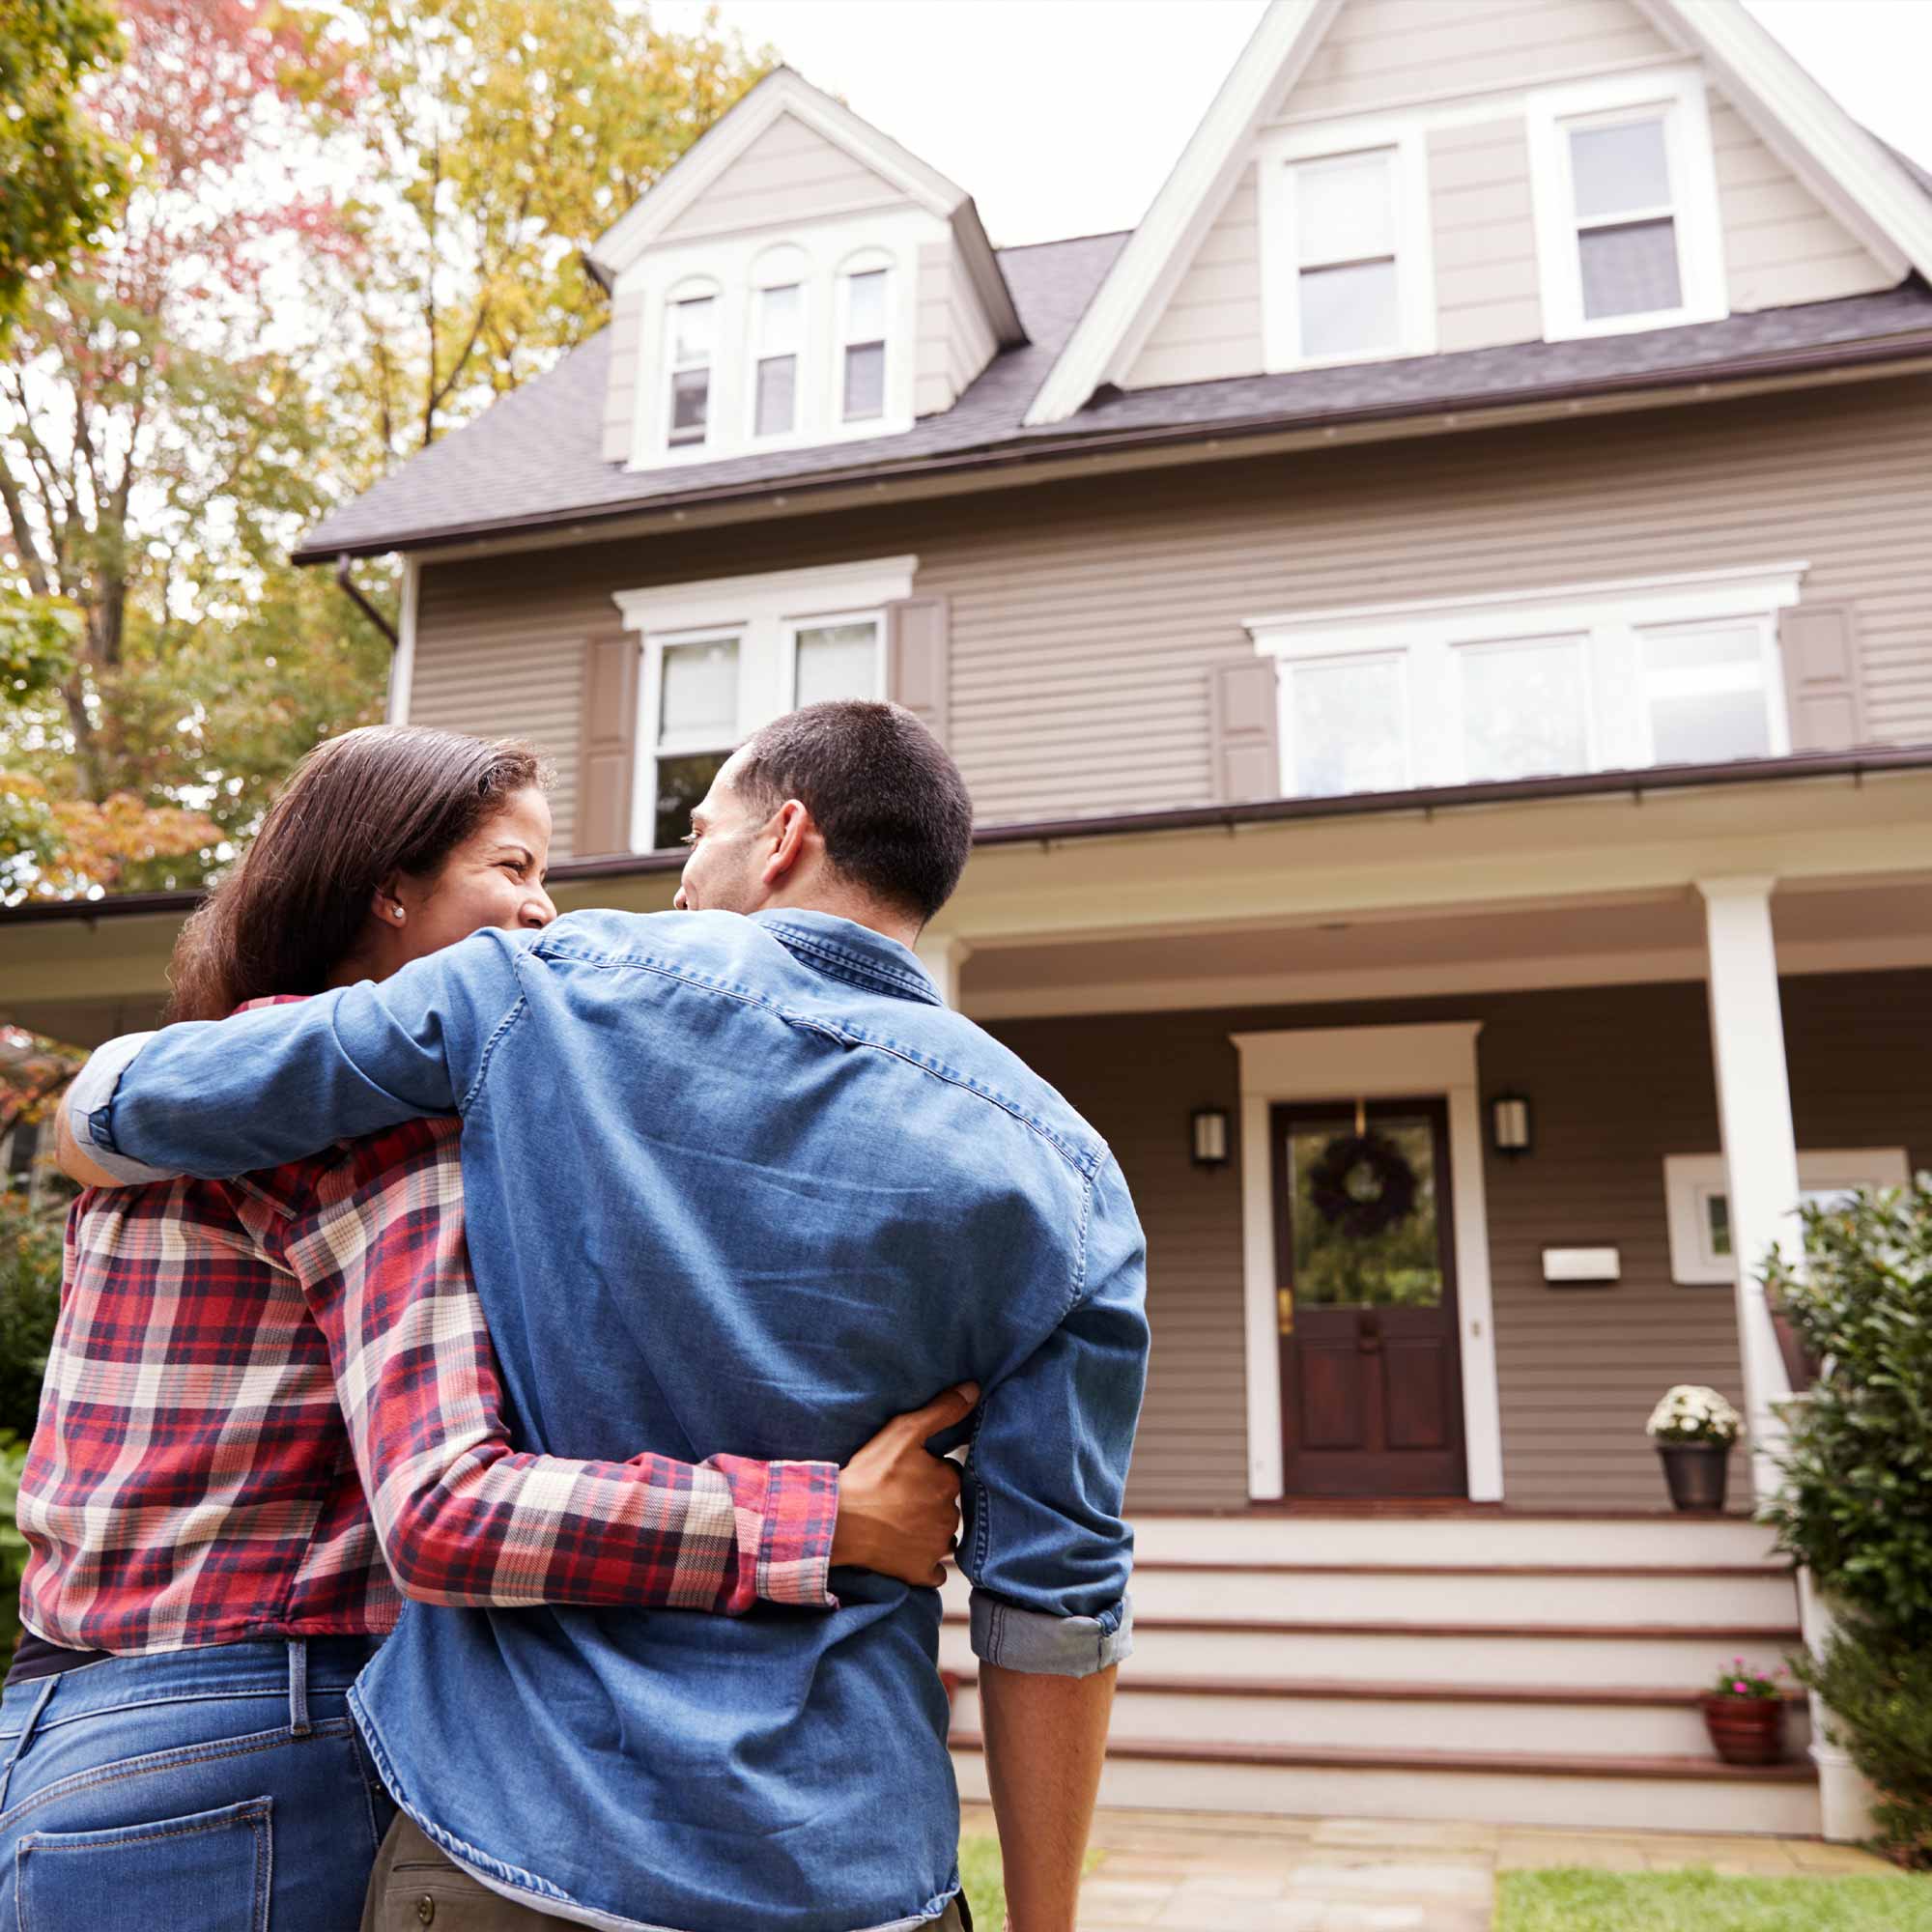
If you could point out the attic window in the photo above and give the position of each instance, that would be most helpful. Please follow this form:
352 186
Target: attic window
690 326
780 313
1625 188
863 338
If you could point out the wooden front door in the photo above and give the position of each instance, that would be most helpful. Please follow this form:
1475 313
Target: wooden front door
1371 1361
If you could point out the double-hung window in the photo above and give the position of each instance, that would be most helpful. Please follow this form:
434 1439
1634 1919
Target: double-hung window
780 324
1470 691
862 336
1346 270
724 656
1624 185
690 329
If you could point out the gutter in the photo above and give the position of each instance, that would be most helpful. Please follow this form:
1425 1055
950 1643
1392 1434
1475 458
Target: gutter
1428 801
1020 451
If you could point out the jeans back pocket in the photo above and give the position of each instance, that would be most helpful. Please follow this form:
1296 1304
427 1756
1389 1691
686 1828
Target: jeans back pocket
210 1870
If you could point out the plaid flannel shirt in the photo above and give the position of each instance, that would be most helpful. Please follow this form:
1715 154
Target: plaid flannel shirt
261 1389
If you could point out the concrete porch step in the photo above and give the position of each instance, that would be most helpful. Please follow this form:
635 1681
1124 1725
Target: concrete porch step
1679 1794
1446 1540
1620 1656
1517 1592
1544 1719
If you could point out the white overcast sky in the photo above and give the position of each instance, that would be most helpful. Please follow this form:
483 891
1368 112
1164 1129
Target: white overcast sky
1063 117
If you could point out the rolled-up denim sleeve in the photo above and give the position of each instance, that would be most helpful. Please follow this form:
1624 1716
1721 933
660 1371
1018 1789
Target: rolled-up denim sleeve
1045 1545
87 1103
220 1098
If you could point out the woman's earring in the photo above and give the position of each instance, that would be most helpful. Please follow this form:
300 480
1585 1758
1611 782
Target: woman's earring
398 912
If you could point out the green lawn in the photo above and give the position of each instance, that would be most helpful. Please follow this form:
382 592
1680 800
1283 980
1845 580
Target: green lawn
980 1873
1568 1900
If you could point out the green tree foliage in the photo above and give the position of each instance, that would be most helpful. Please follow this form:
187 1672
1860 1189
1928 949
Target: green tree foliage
60 176
1856 1506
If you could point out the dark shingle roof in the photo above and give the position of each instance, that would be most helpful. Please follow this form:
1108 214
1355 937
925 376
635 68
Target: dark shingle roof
534 459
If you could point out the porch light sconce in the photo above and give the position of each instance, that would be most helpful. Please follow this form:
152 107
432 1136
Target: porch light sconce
1509 1123
1211 1137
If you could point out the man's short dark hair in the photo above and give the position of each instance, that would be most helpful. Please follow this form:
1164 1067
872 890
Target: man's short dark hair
894 813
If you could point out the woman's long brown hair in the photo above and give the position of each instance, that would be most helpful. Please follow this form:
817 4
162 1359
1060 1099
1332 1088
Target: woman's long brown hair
358 811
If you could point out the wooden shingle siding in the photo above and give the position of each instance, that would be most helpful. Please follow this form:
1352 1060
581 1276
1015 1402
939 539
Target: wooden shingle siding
1385 53
1485 235
790 173
1578 1367
1086 615
1781 247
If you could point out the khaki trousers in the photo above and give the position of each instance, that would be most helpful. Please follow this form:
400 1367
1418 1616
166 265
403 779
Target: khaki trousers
414 1887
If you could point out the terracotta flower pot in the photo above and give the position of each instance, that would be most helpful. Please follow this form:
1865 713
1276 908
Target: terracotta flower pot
1746 1730
1697 1474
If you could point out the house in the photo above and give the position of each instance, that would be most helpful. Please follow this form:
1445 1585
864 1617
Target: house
1437 621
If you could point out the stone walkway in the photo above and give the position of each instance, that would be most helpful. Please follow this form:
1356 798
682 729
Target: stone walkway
1197 1871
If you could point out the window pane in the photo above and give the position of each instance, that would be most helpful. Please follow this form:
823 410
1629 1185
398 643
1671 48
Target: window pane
1345 311
778 321
691 323
1345 209
1349 729
1619 170
699 691
690 404
865 307
1630 270
1708 729
838 660
1524 710
682 783
1712 655
1399 1266
778 394
866 382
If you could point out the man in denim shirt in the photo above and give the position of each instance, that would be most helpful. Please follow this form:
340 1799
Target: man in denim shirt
735 1177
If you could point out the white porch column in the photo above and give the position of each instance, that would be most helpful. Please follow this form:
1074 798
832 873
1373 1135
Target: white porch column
1760 1142
942 954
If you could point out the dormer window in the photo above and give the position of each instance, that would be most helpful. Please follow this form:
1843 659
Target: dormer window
691 329
1346 254
781 326
862 336
1626 198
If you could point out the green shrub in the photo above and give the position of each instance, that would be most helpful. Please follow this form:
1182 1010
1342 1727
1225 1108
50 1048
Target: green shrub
1879 1691
13 1544
30 1275
1856 1505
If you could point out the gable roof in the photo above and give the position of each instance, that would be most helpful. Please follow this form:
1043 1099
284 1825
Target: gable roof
1854 175
782 92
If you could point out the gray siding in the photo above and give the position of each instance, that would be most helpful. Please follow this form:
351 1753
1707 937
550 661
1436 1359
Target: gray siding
620 393
790 173
1086 615
1212 324
954 340
1485 235
1578 1367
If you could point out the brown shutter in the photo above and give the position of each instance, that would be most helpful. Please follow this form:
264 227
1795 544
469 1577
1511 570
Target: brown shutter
919 659
607 748
1820 645
1247 732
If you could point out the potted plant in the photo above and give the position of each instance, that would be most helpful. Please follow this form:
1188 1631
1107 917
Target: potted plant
1693 1429
1744 1712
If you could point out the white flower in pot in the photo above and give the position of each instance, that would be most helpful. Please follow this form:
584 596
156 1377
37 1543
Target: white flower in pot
1693 1428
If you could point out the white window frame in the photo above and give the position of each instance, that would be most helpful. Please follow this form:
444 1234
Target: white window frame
692 290
1292 662
765 613
1428 636
867 262
1276 158
786 266
1691 1180
825 620
1678 96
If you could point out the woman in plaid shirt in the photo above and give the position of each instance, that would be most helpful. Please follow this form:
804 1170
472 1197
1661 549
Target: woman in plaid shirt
271 1415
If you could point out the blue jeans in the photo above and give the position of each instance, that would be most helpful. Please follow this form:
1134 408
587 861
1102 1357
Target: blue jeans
215 1790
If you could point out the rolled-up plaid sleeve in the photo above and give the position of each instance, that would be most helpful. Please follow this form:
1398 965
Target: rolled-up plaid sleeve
462 1517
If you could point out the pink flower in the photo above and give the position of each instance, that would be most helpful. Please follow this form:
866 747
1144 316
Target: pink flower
1739 1687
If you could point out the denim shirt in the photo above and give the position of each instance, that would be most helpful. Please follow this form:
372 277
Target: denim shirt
732 1184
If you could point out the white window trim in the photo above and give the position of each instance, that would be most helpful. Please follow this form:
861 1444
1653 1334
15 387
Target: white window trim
793 272
1690 1179
824 620
1275 157
1611 617
868 261
1370 1063
693 288
732 267
764 613
1679 94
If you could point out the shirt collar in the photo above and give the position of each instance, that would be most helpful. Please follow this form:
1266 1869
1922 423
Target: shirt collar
851 951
